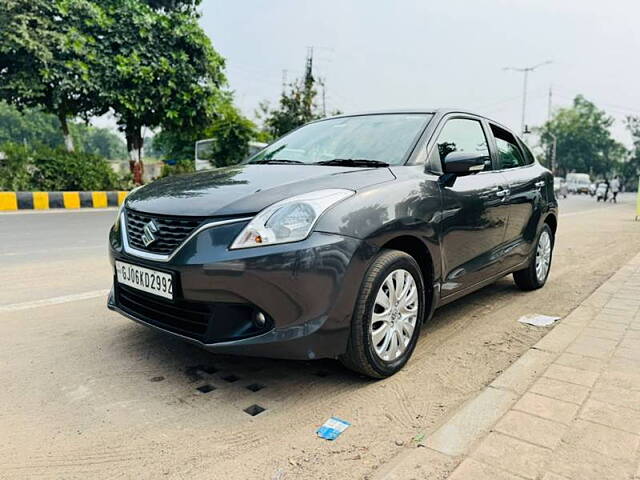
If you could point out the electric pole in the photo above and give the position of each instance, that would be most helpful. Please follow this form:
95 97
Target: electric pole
549 104
322 83
526 71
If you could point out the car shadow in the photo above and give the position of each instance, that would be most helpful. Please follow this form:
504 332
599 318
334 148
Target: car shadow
261 383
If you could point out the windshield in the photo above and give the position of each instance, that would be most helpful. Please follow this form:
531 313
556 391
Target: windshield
382 138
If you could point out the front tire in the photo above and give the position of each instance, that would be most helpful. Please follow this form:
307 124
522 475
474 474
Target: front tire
386 322
535 275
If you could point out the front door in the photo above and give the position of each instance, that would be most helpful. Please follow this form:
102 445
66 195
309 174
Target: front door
474 212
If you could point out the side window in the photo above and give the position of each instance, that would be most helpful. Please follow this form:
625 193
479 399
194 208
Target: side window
528 156
462 135
510 154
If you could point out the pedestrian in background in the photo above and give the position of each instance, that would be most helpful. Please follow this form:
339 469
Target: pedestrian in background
615 188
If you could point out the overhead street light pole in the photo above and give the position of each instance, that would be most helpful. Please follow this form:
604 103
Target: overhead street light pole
526 71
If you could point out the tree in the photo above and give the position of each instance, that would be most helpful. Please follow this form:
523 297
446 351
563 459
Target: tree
98 141
584 142
30 127
35 128
47 58
631 168
172 4
160 70
229 130
297 106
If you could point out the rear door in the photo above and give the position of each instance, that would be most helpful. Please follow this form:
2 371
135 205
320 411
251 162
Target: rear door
525 183
474 213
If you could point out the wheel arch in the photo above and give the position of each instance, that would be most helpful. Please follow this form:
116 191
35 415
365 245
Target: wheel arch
552 221
417 249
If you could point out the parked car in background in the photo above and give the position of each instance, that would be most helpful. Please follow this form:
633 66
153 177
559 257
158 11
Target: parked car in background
339 240
560 187
204 155
578 182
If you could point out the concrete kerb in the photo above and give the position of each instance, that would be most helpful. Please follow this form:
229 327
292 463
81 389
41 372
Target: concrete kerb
11 201
446 448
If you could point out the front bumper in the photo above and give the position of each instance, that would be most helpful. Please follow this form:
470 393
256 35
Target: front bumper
307 291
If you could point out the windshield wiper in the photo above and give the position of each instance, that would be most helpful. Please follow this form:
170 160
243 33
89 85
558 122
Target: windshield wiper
353 162
275 161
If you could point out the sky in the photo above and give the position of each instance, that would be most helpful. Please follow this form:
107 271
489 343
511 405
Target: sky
384 54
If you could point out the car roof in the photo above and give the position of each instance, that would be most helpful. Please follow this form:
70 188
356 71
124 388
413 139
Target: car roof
434 111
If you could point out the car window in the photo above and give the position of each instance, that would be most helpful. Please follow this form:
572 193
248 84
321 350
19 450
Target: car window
382 137
528 156
462 135
508 150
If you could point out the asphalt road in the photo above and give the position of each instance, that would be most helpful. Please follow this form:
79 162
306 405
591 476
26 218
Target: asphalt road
89 394
64 252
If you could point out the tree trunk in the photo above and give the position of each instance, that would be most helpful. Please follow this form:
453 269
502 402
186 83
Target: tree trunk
68 139
135 149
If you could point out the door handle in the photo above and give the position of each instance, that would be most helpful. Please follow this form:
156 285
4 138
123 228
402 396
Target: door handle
539 184
503 193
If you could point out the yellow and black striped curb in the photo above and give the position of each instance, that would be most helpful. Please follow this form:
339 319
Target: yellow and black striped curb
47 200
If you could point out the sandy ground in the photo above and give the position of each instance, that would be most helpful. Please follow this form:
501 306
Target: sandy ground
88 394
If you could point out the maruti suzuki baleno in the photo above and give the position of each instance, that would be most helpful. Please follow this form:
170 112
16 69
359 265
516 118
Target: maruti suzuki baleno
339 240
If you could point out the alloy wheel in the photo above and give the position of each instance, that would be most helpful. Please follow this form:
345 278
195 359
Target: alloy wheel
394 315
543 256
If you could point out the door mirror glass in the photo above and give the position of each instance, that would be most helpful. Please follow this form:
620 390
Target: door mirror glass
462 147
464 163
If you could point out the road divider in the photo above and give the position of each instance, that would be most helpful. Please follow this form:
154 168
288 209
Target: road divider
70 200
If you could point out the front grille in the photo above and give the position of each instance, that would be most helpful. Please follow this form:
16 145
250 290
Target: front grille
205 322
172 231
186 318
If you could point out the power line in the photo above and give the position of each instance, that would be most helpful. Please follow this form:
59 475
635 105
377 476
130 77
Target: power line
526 71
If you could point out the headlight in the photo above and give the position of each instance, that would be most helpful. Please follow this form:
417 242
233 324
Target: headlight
116 223
289 220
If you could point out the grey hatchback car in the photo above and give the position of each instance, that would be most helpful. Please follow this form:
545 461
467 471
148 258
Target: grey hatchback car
338 240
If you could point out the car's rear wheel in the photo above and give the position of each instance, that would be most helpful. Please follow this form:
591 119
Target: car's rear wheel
387 317
536 273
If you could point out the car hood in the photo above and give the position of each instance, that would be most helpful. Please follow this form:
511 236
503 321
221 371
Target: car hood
245 189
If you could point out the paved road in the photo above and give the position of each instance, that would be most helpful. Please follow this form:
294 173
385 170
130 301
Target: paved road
89 394
65 252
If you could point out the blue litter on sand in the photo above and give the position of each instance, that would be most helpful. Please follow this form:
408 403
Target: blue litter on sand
332 428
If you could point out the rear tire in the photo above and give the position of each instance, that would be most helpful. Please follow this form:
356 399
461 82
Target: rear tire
386 325
535 275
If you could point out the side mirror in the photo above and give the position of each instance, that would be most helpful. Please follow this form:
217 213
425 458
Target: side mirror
464 163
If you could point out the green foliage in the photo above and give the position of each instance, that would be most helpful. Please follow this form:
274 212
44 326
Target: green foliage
54 170
630 169
180 167
584 142
48 56
159 68
172 4
297 107
62 170
230 131
15 167
31 127
35 128
98 141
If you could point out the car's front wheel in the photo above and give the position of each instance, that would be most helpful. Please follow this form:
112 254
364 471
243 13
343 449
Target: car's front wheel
387 317
536 273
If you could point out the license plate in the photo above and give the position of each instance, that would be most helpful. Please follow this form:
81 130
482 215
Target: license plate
145 279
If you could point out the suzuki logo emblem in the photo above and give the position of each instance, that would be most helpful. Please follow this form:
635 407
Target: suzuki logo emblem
148 236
